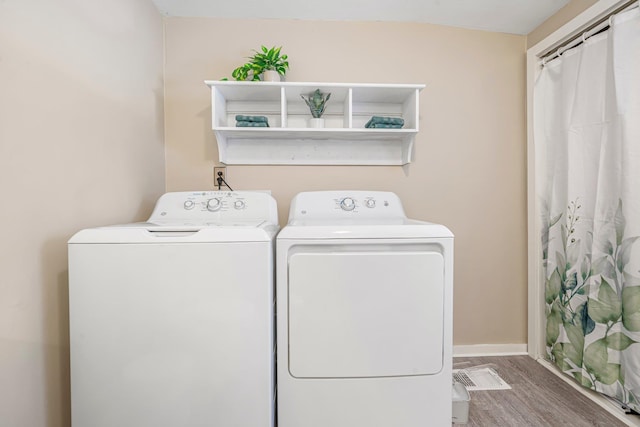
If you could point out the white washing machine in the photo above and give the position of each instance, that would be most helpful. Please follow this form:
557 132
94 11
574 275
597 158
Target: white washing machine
172 320
364 314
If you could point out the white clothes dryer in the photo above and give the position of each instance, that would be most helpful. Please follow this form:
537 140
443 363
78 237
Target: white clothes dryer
172 320
364 314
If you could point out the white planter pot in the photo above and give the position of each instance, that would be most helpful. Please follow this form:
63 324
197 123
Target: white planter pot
316 123
270 76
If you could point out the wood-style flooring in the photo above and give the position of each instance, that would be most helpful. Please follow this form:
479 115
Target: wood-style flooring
538 398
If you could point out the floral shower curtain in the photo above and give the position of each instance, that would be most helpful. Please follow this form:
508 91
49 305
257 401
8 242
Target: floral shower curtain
587 139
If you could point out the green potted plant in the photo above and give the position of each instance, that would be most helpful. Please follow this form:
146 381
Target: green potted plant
268 63
246 72
316 102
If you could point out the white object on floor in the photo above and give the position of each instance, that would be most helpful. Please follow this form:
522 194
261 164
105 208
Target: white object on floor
364 314
171 321
480 379
461 401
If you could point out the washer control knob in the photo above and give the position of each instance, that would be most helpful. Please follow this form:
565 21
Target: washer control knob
239 204
189 204
347 204
214 205
370 203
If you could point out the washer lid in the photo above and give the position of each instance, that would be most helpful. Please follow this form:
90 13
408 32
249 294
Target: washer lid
146 233
179 224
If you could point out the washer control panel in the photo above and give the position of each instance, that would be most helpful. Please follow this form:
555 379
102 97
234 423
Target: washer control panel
215 206
346 204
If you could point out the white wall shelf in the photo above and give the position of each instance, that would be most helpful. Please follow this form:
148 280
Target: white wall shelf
343 141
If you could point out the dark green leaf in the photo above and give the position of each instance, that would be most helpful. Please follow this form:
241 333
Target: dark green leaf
587 323
619 341
631 308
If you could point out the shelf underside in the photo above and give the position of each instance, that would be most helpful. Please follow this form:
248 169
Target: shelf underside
315 147
316 134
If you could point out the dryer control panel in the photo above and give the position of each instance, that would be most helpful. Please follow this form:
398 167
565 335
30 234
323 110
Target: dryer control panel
346 204
223 207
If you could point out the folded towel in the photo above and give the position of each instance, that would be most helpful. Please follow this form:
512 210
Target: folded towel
385 120
384 126
260 119
245 124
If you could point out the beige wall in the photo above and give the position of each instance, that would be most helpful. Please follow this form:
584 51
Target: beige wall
81 144
564 15
469 171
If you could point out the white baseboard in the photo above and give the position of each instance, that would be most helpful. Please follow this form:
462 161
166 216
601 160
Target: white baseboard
603 402
489 350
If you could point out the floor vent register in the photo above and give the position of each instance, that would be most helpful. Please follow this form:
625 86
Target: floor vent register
480 379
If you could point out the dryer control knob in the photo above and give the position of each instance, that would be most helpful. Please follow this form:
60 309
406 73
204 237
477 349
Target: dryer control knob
370 203
239 204
189 204
347 204
214 205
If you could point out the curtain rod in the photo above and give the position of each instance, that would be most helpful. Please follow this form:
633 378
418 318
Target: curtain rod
595 28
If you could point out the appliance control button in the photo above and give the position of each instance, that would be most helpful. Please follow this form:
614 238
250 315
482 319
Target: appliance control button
189 204
239 204
370 203
214 205
347 204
